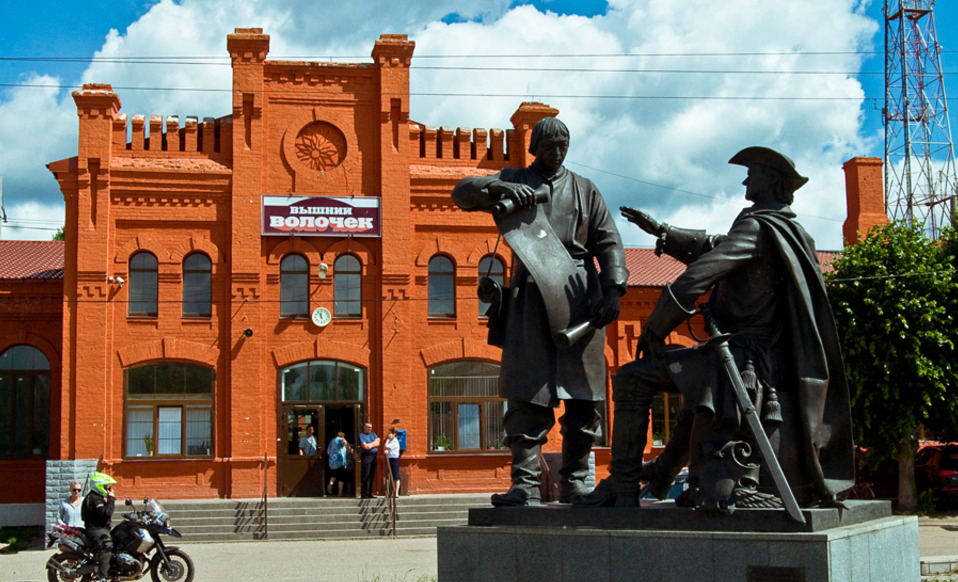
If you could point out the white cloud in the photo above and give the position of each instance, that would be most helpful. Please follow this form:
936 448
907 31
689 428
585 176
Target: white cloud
681 144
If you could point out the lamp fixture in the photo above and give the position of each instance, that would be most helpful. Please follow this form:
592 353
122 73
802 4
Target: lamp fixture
116 280
323 268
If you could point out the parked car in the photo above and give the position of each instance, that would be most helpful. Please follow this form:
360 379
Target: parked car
936 470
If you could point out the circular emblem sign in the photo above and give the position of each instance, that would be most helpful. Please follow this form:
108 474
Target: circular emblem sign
320 146
322 316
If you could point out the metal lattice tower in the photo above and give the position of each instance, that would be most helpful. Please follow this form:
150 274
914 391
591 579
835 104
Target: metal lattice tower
920 179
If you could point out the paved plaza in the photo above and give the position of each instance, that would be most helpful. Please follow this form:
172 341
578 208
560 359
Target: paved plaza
383 560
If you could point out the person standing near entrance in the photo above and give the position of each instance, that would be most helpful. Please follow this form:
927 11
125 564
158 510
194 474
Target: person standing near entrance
392 456
338 453
307 444
369 443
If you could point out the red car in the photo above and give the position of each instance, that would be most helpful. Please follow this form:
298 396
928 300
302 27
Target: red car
936 470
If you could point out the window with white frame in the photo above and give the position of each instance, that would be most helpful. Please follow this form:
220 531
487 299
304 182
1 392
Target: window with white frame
169 410
465 410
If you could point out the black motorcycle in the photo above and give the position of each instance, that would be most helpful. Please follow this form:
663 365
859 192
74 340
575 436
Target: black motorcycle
134 539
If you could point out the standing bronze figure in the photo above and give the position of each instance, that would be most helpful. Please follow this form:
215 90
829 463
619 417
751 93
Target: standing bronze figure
768 296
550 320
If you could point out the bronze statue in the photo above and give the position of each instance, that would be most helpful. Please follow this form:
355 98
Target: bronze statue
550 320
768 296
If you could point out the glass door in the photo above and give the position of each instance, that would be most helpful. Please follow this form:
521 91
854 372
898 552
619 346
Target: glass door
301 454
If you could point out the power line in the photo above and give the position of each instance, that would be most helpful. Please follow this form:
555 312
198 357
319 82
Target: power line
489 95
673 189
321 58
502 68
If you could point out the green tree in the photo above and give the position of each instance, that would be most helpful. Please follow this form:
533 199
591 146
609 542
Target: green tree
895 296
59 234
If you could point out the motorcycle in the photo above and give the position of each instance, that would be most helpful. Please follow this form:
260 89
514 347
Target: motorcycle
134 539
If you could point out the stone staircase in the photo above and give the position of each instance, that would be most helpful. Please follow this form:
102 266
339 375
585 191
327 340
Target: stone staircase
223 520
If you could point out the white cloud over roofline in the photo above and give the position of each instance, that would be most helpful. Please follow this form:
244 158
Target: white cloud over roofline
682 144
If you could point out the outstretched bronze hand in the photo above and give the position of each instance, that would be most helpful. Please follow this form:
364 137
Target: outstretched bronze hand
642 220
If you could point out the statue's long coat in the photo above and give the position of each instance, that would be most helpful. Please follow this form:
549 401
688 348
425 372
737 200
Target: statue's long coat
533 370
767 289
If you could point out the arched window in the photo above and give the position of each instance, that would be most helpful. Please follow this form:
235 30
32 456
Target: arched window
294 286
24 402
169 410
323 381
197 285
347 287
442 287
143 278
490 266
465 410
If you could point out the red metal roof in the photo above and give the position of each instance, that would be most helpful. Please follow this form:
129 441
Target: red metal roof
23 259
648 270
31 259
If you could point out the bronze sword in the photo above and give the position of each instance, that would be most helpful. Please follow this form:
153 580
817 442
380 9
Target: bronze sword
719 342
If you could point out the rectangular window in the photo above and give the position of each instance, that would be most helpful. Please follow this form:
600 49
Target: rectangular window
169 410
139 431
294 295
169 425
465 410
143 294
196 295
199 425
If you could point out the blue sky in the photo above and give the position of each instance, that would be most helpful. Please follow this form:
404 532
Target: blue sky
666 155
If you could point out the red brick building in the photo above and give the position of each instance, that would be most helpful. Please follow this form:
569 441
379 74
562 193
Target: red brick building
227 282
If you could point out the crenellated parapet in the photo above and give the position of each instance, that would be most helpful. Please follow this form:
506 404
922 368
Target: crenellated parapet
213 137
480 148
432 144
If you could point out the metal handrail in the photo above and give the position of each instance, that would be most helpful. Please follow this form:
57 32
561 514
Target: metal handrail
391 499
265 498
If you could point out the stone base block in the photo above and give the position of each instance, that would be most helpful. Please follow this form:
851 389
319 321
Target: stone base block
872 551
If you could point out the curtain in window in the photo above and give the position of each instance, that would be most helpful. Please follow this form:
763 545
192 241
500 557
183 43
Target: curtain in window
139 431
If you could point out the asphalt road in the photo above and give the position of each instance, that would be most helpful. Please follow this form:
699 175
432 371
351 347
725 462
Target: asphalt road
385 560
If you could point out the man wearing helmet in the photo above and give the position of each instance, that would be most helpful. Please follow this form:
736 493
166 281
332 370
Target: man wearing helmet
97 513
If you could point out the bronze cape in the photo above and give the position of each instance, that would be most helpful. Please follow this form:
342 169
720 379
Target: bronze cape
806 363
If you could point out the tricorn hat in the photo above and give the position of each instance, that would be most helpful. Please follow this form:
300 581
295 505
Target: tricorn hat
772 159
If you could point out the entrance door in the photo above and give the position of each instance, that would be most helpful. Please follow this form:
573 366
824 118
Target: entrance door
301 475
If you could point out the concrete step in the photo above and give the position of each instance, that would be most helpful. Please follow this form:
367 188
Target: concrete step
317 518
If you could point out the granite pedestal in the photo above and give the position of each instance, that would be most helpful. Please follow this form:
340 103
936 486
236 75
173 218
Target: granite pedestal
662 543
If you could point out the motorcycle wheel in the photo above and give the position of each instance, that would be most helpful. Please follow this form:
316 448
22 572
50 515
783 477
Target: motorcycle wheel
181 569
54 575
